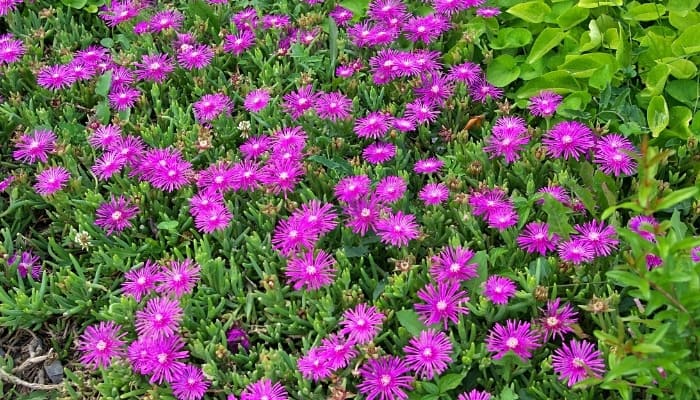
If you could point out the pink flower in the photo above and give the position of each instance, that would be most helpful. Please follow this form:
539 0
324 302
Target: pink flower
341 15
379 152
443 303
536 238
475 395
297 103
482 91
352 188
28 264
362 323
55 77
390 189
11 50
576 251
154 68
311 271
557 320
614 154
338 350
488 12
421 112
427 166
320 217
108 164
576 361
499 289
314 365
195 56
509 137
281 176
257 100
255 146
385 378
292 235
600 236
99 344
468 72
568 139
374 126
452 265
105 136
363 215
434 90
165 169
35 146
264 389
426 29
190 383
115 215
166 19
515 336
544 104
160 318
179 278
123 99
238 43
333 106
211 106
162 358
434 194
140 282
397 229
428 354
51 180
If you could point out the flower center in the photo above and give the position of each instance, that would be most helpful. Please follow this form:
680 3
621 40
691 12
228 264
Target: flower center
512 343
311 269
552 321
365 212
162 358
566 139
578 362
385 380
101 345
117 215
428 352
441 305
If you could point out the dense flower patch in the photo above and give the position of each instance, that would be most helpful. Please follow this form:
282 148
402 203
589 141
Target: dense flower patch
308 200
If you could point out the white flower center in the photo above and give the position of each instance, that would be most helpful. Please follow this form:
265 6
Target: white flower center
101 345
441 305
512 343
117 215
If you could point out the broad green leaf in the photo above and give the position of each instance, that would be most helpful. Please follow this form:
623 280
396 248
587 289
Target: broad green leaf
572 17
502 70
655 79
107 42
530 11
675 197
339 165
645 12
682 6
585 65
684 90
646 348
449 381
354 252
103 84
657 115
332 43
681 68
409 320
679 124
511 38
548 39
358 7
601 77
558 81
74 3
687 43
599 3
103 112
167 225
205 12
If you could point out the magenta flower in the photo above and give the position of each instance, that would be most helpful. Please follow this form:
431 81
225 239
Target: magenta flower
390 189
281 175
333 106
341 15
28 264
5 183
311 271
238 43
434 90
255 146
428 166
162 358
576 361
190 383
35 146
165 169
363 215
276 21
211 106
314 365
257 100
385 378
488 12
443 303
428 354
217 177
140 282
452 265
502 218
130 148
451 7
488 201
645 226
115 215
99 344
352 188
568 139
544 104
11 50
404 124
427 28
508 138
600 236
536 238
293 235
338 350
160 318
379 152
385 11
576 251
557 320
614 154
558 193
264 389
124 98
107 165
154 68
434 194
468 73
475 395
119 11
374 126
51 180
362 323
196 56
515 336
179 278
238 337
55 77
166 19
297 103
482 91
397 229
499 289
421 112
105 137
138 355
320 217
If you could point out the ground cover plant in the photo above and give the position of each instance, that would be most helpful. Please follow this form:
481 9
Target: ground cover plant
445 199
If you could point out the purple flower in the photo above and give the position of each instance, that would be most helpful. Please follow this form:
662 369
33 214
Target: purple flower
568 139
600 236
238 43
536 238
488 12
428 354
255 147
397 229
434 90
28 264
140 282
499 289
238 336
314 365
154 68
385 378
107 165
195 56
695 254
508 138
544 104
264 389
434 194
257 100
333 106
428 166
210 106
374 126
645 226
614 155
115 215
475 395
5 183
502 218
385 11
427 28
482 90
341 15
379 152
421 112
576 251
352 188
488 201
190 383
293 235
35 146
558 193
281 175
468 72
452 265
338 350
162 358
557 320
297 103
278 21
363 215
55 77
11 50
319 216
165 169
515 336
105 136
362 323
166 19
51 180
311 271
124 98
217 177
119 11
179 278
390 189
443 303
576 361
99 344
160 318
